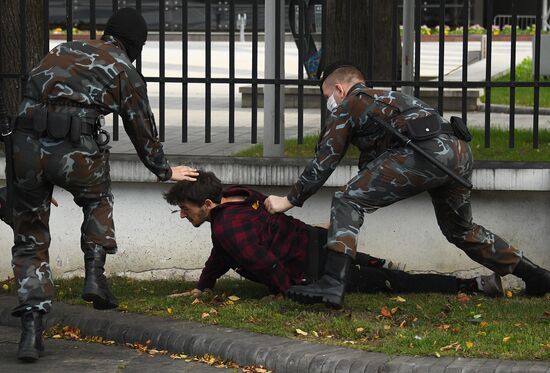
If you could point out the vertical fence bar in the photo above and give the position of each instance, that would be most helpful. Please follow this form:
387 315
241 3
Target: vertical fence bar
207 70
231 72
92 20
302 45
277 129
46 27
254 124
465 25
511 130
68 18
370 41
441 72
162 71
395 35
323 62
347 5
536 76
114 8
184 83
23 31
489 20
138 60
417 38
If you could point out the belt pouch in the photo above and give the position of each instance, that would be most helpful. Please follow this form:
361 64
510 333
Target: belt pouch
39 121
460 129
58 125
76 129
424 128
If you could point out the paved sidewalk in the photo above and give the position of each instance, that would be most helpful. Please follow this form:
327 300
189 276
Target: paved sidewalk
245 348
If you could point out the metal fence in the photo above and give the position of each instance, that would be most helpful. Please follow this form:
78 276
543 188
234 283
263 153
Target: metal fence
280 81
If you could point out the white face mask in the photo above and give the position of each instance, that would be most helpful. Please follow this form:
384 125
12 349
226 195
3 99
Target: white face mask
331 103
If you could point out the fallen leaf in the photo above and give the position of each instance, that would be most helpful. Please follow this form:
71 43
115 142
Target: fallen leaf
509 294
169 310
6 287
394 310
384 312
402 325
444 326
462 298
506 339
213 311
546 313
399 299
56 336
255 205
229 302
437 354
300 332
483 324
482 334
387 327
315 334
418 338
469 344
205 315
233 298
196 301
478 316
350 342
360 330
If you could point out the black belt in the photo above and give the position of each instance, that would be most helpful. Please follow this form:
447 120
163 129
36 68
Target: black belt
26 123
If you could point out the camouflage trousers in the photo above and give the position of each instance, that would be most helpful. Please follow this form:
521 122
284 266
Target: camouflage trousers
41 163
400 173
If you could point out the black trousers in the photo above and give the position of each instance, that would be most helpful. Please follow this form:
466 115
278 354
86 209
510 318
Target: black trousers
364 278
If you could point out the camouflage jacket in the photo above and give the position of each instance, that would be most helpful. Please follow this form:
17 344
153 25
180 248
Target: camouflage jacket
95 77
350 124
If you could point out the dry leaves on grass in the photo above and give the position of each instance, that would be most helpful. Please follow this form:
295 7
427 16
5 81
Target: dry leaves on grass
144 348
453 346
388 313
219 363
463 298
399 299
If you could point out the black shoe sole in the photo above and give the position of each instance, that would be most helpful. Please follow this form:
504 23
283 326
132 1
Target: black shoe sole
28 356
99 302
329 300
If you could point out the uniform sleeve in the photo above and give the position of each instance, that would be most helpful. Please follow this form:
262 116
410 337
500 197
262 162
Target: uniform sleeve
243 245
215 267
139 123
330 150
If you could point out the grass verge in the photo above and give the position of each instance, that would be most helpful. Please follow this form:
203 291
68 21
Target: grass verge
498 151
524 95
412 324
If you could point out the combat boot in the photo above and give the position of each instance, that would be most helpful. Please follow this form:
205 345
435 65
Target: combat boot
31 345
330 288
537 279
96 289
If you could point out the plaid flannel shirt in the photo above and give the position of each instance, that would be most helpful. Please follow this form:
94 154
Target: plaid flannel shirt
265 248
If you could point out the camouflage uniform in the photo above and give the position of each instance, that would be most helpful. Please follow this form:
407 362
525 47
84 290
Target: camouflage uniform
390 172
84 79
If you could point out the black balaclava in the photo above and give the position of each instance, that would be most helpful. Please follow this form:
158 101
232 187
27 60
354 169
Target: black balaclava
129 27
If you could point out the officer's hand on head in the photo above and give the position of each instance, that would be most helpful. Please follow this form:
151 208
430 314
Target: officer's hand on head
190 293
181 173
275 204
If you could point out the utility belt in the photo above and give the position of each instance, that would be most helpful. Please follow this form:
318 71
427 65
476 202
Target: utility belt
61 125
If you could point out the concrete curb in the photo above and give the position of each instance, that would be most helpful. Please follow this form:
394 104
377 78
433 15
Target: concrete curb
278 354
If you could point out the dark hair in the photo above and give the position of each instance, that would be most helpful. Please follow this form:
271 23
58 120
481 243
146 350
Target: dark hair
207 186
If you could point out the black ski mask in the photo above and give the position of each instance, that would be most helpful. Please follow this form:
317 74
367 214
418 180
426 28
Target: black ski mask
129 27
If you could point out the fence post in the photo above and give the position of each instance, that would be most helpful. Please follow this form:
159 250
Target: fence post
274 54
407 53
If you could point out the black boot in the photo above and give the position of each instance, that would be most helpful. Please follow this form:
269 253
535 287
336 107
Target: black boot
537 279
96 289
330 288
31 345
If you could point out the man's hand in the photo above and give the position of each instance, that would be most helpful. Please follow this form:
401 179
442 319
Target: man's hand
191 293
181 173
275 204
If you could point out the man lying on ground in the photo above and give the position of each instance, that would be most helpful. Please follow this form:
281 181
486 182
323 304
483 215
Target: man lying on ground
280 251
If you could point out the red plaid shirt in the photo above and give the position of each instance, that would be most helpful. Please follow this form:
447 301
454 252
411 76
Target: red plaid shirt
265 248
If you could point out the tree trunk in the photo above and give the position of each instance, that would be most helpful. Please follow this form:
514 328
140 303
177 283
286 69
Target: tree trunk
10 47
347 32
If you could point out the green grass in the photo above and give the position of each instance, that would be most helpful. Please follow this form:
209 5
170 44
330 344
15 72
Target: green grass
423 325
524 95
498 151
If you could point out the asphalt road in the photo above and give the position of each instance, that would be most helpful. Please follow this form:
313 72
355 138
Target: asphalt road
76 356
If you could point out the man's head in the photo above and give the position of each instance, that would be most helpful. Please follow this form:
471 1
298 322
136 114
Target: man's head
128 26
196 198
337 79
